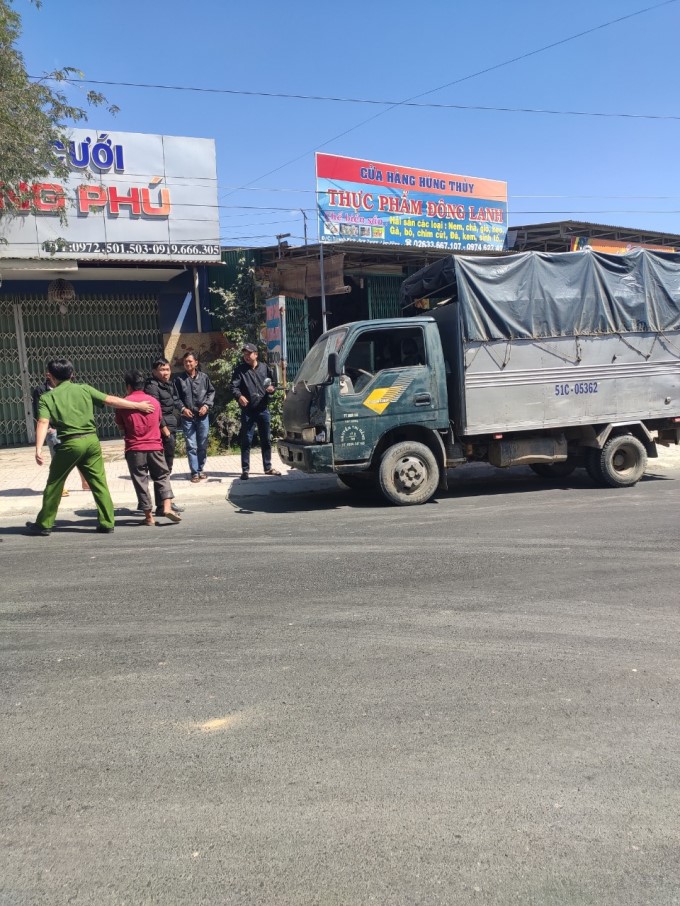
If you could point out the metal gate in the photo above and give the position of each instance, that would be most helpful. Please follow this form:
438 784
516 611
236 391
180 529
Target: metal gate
297 334
102 335
383 296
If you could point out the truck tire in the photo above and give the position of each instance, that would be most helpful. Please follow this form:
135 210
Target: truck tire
553 471
623 461
591 460
361 484
408 474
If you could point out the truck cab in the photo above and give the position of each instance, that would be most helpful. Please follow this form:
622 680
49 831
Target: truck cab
370 403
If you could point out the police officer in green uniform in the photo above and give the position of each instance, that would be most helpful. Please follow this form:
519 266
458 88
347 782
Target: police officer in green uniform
70 409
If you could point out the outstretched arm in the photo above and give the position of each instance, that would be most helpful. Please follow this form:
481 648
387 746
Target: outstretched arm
119 403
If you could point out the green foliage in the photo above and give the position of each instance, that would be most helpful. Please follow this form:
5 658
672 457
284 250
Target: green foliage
32 115
240 313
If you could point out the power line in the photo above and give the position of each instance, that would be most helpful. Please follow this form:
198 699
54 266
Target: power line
464 79
376 101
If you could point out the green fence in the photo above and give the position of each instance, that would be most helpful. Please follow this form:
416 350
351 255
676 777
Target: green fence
297 334
103 336
383 295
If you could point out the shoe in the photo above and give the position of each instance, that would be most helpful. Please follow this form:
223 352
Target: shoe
175 507
35 529
272 472
65 493
202 476
195 478
173 517
244 476
104 529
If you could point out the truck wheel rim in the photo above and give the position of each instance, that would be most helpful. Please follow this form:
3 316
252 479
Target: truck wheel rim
410 473
624 459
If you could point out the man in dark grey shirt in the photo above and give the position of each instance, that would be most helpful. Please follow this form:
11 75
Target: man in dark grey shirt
197 396
252 385
161 388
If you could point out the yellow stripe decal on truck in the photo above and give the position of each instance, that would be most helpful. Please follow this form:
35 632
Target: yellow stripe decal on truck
379 399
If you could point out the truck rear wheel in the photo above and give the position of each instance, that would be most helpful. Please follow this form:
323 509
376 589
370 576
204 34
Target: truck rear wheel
408 474
592 464
623 461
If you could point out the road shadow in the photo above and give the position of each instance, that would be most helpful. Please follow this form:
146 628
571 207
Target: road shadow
464 487
86 524
20 492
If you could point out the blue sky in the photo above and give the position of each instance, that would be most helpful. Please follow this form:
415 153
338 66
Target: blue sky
620 171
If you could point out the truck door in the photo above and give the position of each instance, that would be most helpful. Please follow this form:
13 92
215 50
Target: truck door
386 380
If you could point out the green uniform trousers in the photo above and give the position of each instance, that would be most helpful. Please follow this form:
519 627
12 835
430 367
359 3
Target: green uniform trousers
84 452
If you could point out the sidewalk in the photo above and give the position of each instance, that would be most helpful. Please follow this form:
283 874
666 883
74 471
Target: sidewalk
22 481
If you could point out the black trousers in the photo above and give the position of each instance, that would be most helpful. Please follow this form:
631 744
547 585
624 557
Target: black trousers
169 451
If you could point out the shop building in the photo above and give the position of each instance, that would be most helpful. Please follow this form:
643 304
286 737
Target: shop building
363 281
121 281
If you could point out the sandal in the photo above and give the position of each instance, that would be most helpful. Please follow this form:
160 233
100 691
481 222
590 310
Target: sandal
149 520
272 472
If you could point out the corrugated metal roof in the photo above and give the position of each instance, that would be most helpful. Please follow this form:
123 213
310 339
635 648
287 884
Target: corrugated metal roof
650 235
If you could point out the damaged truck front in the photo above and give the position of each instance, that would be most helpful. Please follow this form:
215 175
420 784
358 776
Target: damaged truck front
557 361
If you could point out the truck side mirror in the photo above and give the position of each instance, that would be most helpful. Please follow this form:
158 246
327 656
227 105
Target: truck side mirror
333 365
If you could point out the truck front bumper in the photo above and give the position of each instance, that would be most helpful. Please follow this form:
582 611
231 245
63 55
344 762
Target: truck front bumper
307 457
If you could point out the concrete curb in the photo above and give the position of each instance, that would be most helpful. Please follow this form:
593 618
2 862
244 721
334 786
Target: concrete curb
22 481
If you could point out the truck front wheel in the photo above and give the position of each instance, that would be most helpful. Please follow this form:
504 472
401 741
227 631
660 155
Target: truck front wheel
408 474
361 483
623 461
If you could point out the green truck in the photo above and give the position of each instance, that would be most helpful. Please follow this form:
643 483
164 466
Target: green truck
556 361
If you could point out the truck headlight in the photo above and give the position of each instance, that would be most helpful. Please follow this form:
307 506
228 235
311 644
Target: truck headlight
314 435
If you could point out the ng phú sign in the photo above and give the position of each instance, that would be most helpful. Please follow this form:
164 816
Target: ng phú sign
130 195
365 201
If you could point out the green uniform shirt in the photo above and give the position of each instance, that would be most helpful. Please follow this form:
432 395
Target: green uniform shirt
70 408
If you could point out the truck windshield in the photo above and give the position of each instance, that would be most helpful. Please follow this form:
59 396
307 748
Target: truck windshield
314 369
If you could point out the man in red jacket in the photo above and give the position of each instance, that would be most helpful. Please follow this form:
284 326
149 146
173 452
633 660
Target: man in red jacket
144 449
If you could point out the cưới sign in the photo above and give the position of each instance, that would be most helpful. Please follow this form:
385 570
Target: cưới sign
130 196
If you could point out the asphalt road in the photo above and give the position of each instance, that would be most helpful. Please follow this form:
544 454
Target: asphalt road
316 700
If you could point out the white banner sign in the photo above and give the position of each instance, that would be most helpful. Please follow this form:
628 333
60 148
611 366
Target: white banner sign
130 196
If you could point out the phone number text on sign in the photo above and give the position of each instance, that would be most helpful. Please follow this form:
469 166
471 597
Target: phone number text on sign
132 248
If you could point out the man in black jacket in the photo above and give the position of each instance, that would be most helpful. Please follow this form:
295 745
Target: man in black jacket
252 385
160 387
197 396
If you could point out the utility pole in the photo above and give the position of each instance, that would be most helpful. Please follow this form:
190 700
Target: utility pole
324 320
279 237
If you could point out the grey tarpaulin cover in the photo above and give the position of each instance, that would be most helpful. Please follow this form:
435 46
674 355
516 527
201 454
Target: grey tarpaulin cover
536 294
